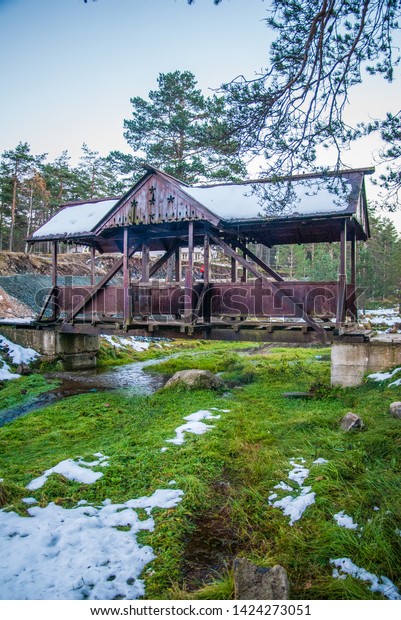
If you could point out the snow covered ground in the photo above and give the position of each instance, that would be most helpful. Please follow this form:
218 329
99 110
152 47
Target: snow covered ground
388 319
80 471
344 567
294 506
17 354
120 342
78 553
385 376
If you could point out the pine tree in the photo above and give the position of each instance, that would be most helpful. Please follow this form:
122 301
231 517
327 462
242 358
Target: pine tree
17 165
183 132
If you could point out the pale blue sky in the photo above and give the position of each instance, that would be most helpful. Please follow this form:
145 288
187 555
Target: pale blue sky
68 69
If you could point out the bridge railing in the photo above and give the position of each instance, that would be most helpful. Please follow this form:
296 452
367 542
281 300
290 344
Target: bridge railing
255 299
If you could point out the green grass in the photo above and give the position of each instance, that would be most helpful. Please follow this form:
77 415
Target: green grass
22 391
228 473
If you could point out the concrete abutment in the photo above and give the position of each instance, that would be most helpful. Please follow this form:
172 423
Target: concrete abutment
75 351
351 361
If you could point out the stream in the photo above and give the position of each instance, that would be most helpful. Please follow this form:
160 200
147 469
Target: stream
132 378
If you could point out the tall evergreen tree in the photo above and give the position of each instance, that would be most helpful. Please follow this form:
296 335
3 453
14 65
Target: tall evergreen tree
18 164
183 132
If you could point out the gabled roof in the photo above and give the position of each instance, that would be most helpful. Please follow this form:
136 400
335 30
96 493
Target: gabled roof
75 219
306 209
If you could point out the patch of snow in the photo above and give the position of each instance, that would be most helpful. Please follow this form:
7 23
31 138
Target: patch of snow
383 376
285 487
194 426
299 473
172 482
397 382
376 508
378 584
344 520
6 374
75 554
163 449
162 498
294 506
29 500
73 470
119 342
18 354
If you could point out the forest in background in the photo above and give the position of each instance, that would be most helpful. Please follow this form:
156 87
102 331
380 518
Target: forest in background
35 187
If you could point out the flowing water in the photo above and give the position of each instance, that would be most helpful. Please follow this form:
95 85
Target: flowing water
132 378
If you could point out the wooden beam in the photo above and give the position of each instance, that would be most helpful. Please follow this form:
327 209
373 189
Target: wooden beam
205 295
93 265
54 263
206 258
53 301
234 264
160 262
177 271
109 275
189 275
342 277
352 301
259 262
126 279
281 294
145 261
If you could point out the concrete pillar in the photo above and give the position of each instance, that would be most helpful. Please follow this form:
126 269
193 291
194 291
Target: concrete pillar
351 362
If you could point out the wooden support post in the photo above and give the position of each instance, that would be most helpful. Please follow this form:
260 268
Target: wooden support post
206 278
54 263
342 277
353 308
54 307
244 271
233 265
189 275
126 279
177 274
353 258
93 265
206 258
145 262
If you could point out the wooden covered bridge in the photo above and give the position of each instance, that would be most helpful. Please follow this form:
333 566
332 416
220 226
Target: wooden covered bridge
160 213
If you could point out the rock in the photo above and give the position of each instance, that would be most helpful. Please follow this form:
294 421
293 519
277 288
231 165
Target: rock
351 422
23 369
253 582
395 409
195 380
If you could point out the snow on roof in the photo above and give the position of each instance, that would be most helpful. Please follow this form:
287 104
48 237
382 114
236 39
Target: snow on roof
306 197
76 219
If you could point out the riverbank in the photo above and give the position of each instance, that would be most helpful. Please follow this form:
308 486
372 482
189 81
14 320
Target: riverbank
228 486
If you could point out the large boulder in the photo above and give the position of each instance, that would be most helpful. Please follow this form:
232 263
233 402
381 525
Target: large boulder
395 409
195 380
351 422
253 582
